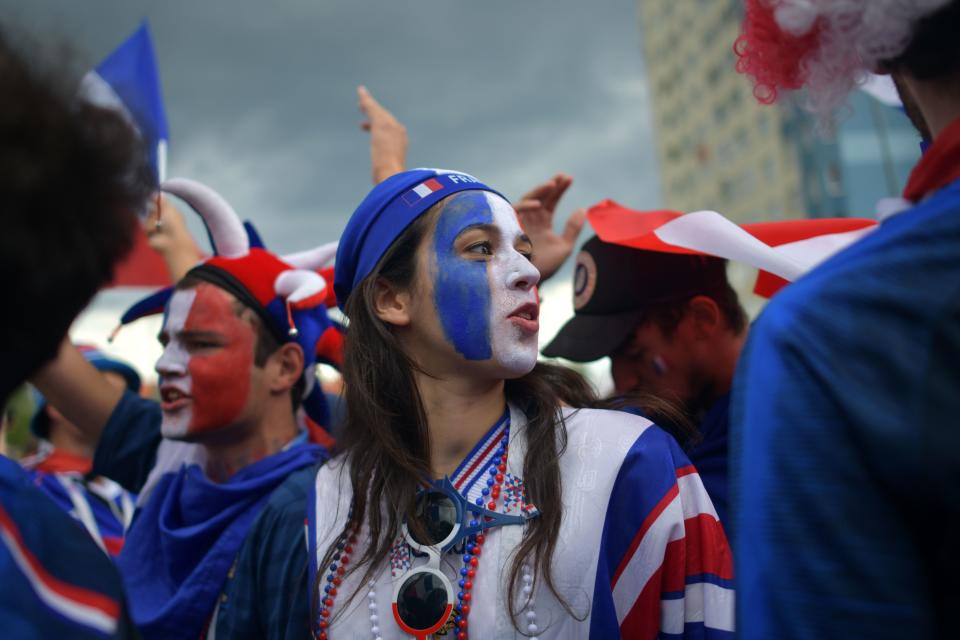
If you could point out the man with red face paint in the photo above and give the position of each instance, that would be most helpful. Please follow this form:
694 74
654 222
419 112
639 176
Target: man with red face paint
206 362
217 546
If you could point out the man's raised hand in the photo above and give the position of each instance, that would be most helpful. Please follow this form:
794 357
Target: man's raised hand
388 137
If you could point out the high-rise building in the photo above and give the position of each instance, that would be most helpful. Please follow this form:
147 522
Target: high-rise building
719 149
868 157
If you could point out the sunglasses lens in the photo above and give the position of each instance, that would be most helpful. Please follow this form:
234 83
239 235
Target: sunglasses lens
422 601
437 515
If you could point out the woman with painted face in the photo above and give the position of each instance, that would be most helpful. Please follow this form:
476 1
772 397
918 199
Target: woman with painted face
473 496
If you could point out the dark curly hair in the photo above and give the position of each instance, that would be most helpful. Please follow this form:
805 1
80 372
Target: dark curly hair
72 177
934 50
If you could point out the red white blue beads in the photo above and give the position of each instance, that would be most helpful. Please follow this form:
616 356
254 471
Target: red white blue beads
489 498
338 564
496 471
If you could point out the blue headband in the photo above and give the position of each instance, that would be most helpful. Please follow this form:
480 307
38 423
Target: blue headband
384 214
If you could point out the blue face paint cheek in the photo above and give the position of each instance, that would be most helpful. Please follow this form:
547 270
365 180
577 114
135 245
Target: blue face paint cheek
461 293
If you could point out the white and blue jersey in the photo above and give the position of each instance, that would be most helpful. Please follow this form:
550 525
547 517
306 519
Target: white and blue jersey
641 552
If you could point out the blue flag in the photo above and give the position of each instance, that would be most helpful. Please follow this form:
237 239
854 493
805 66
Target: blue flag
128 80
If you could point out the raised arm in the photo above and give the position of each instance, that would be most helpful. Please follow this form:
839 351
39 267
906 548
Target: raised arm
78 391
168 235
388 137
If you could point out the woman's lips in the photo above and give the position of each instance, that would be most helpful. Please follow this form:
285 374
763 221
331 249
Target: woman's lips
526 317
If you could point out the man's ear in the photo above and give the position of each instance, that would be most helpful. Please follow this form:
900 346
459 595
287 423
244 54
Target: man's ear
287 367
705 316
391 304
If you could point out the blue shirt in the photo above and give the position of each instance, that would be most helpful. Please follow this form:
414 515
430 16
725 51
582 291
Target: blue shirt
846 432
56 581
710 455
265 594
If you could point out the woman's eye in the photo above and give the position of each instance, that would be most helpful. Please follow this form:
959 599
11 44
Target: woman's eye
481 248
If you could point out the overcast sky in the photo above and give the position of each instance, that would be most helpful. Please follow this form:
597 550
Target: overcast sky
261 101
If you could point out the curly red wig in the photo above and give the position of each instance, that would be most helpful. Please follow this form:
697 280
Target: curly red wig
773 58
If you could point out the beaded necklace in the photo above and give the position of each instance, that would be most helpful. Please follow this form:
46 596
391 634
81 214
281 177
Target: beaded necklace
497 469
341 558
472 548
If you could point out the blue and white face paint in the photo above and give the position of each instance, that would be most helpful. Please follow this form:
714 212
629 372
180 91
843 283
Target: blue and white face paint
487 305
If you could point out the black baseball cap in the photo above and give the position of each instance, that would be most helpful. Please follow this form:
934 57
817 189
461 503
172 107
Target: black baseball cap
614 286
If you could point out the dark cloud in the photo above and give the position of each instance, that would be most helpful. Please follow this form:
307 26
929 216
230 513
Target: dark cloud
261 103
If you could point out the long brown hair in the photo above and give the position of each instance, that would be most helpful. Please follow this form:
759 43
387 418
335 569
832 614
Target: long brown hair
386 439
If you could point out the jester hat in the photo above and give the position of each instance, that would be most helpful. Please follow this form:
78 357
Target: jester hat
290 294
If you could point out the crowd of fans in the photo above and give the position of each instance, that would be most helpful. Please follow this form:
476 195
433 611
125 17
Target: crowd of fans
797 477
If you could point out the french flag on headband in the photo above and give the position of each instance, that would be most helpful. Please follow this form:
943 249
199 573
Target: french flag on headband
421 191
128 81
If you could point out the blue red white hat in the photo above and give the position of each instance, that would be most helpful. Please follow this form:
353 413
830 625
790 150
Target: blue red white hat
385 213
289 293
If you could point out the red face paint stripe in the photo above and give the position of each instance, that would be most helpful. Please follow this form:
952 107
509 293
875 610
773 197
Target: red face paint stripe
220 381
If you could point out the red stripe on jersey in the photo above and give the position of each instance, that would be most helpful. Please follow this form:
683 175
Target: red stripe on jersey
686 471
113 545
85 597
643 620
703 549
647 523
674 570
707 547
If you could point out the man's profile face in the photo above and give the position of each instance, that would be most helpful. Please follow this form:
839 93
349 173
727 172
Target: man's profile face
662 365
207 366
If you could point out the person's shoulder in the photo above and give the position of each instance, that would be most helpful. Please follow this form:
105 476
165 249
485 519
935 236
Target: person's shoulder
618 431
335 470
900 263
133 405
291 495
900 275
605 419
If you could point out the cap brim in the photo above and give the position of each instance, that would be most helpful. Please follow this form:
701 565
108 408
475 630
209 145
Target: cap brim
586 338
